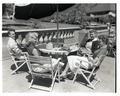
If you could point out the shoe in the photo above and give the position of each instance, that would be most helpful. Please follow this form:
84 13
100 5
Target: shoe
70 77
63 77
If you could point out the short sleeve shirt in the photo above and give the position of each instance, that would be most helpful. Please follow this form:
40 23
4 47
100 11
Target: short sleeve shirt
13 47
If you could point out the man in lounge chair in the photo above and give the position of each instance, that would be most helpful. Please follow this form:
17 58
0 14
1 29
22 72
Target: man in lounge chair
92 43
12 45
74 61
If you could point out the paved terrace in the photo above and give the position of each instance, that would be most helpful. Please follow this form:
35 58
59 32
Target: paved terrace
19 82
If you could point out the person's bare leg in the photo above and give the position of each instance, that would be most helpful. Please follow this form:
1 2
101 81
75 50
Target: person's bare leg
64 73
35 52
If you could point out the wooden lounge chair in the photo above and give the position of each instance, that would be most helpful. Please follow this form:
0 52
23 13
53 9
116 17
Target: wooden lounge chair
45 74
21 62
89 74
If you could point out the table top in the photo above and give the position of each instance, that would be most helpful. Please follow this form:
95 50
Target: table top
54 51
74 48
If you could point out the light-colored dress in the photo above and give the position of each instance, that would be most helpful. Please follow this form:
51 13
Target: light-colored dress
74 61
47 67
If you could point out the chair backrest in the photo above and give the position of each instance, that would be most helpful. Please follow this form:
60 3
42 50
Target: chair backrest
11 54
16 58
39 60
101 58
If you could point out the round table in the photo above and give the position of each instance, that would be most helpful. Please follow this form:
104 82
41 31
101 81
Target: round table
54 51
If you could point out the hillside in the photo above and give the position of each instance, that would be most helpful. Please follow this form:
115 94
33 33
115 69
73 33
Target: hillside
73 15
66 16
77 14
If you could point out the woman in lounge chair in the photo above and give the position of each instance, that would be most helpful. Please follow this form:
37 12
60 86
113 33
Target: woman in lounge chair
74 61
31 41
34 51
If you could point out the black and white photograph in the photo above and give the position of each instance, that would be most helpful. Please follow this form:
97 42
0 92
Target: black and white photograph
59 47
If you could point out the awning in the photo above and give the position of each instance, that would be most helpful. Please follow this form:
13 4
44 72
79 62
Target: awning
27 11
40 11
112 14
104 15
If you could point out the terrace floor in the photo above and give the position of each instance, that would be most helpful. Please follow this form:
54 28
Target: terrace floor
19 82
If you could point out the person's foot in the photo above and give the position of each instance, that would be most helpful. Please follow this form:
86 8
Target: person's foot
63 75
71 76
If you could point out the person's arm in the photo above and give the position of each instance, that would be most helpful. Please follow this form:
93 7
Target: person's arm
35 52
101 53
84 41
92 61
95 61
13 46
17 50
95 46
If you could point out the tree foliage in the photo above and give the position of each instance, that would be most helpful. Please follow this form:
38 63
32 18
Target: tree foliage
7 8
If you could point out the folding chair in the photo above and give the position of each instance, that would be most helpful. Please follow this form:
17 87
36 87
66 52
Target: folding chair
89 74
16 61
52 74
111 49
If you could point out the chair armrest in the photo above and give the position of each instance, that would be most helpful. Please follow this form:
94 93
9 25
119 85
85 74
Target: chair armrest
20 61
83 61
58 60
95 65
24 53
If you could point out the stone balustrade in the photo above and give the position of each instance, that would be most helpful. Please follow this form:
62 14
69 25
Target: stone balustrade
67 36
51 34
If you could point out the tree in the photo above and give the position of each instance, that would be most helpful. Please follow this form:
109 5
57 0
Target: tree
7 9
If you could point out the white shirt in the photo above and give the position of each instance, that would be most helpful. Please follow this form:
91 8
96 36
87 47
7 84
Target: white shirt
89 44
11 44
13 47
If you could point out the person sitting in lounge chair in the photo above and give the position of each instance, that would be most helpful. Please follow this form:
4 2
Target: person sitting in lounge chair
91 44
19 42
12 45
34 51
31 41
74 61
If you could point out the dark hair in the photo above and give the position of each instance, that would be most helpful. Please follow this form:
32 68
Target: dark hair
10 31
17 35
93 31
103 38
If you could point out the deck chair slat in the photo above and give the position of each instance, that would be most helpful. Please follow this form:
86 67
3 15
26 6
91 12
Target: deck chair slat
40 59
47 75
40 62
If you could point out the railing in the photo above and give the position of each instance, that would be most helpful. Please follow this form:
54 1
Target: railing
51 34
70 35
100 27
